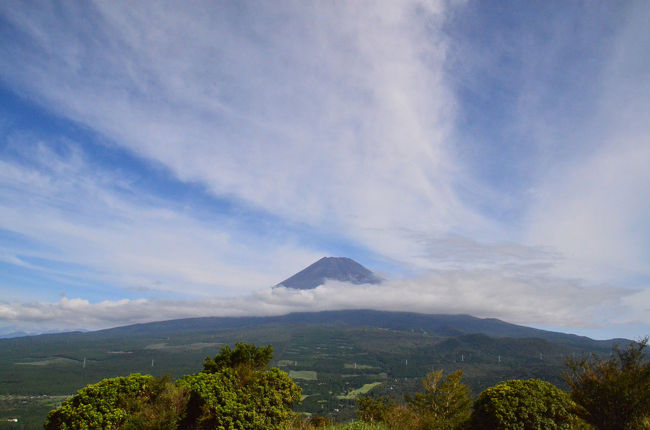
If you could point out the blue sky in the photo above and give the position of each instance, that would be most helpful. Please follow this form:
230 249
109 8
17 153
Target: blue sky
489 158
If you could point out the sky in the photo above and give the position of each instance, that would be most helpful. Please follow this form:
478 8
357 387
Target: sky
161 160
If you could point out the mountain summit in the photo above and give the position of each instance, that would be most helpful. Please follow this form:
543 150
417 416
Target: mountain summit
330 268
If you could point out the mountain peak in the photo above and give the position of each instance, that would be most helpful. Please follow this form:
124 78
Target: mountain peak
341 269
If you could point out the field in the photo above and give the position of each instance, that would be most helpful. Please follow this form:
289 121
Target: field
28 410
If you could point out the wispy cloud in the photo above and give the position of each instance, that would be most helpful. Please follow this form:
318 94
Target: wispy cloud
91 225
471 138
338 118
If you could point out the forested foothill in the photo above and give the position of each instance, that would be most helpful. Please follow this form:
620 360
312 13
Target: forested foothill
237 390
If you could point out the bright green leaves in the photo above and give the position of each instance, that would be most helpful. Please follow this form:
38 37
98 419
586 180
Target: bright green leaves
221 400
524 405
235 391
105 405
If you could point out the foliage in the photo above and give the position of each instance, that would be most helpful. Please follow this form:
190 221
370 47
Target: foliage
330 351
135 401
243 356
162 409
234 392
318 422
446 403
223 400
614 393
375 410
517 404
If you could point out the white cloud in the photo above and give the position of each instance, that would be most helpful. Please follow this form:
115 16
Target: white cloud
596 214
593 208
338 117
541 301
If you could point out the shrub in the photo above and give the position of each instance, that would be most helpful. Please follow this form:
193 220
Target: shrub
135 401
235 391
614 394
222 400
517 404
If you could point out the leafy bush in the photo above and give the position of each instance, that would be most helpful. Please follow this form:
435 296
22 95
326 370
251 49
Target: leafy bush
135 401
517 404
234 391
614 394
223 400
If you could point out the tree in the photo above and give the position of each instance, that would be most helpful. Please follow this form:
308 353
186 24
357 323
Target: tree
244 355
375 410
614 393
522 405
445 403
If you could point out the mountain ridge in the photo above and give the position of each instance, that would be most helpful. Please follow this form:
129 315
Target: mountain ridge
444 325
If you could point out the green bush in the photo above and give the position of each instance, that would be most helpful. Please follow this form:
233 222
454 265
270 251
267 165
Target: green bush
135 401
615 393
523 405
235 391
222 400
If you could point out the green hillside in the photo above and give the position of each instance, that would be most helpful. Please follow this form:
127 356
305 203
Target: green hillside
333 356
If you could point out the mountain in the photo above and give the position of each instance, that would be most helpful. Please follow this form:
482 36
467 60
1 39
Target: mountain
330 268
432 324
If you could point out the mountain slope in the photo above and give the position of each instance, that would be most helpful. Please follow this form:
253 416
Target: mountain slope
330 354
330 268
435 325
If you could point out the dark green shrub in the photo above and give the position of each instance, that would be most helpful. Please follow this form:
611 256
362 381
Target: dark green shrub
523 405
